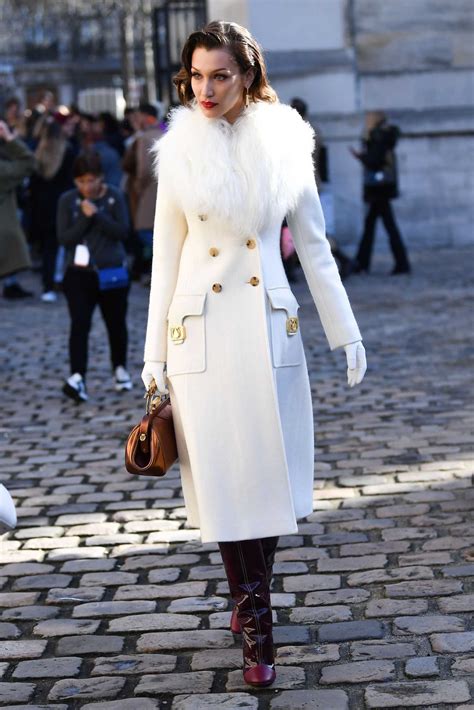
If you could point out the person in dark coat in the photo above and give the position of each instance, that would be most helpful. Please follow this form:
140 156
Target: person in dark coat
52 177
380 187
16 163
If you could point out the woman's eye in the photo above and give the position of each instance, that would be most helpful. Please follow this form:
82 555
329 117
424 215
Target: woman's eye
221 77
195 75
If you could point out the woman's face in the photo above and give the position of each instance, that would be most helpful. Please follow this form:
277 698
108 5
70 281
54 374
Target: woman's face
218 84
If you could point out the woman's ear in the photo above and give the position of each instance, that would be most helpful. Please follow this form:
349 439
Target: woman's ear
249 77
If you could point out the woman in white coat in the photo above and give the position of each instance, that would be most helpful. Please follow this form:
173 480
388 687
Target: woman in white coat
223 334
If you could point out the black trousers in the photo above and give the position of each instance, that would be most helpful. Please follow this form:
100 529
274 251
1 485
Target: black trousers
381 207
49 249
81 288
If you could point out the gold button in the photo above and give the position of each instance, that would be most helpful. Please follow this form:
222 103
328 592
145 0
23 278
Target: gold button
251 243
202 217
254 281
213 251
217 288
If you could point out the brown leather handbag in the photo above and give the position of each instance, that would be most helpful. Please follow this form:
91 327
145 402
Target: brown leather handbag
151 446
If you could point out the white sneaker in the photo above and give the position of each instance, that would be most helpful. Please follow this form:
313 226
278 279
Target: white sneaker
75 388
49 297
123 382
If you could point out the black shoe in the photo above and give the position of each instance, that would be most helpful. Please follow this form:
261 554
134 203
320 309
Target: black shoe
75 388
15 291
400 270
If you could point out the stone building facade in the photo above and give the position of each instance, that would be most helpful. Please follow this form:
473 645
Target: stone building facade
413 59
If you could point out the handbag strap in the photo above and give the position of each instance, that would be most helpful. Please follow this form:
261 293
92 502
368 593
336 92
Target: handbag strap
144 430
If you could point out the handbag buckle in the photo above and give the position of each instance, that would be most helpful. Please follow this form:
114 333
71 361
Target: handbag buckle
153 398
292 325
178 334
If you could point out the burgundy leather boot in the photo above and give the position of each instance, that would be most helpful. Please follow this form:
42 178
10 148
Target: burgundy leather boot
269 545
244 563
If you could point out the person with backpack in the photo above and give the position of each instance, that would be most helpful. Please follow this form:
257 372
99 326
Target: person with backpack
380 187
92 225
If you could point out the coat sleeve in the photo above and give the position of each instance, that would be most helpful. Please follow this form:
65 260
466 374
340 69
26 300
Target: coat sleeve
114 225
169 233
19 164
306 222
70 233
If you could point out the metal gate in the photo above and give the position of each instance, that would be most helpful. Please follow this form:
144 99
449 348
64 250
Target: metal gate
172 23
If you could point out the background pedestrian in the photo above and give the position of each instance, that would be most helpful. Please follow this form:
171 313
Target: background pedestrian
16 163
93 226
52 177
141 183
380 187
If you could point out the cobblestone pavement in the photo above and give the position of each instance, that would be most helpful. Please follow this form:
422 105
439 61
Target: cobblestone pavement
108 600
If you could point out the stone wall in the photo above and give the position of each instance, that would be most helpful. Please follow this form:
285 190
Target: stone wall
415 60
412 58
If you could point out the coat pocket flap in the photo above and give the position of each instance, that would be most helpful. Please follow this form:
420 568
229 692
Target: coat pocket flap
186 304
283 298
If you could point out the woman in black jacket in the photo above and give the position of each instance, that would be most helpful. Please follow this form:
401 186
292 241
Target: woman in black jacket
380 186
93 226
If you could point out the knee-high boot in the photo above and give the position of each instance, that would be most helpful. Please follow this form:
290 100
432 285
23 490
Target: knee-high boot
269 546
246 571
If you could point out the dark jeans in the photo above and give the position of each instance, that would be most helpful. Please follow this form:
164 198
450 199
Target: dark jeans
49 252
381 208
81 288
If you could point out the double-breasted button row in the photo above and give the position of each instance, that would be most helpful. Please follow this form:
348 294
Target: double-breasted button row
254 281
217 288
250 243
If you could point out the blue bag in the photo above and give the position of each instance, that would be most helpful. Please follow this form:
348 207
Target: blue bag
114 277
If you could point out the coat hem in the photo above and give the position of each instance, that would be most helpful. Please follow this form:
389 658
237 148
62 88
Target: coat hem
267 532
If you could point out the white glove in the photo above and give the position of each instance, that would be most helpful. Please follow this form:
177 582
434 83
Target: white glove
356 363
155 370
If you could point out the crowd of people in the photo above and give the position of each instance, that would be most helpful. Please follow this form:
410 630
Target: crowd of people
54 137
77 204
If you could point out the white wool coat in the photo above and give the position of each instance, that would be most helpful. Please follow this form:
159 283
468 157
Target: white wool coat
223 317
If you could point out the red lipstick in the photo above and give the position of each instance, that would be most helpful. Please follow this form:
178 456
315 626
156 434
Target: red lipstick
208 104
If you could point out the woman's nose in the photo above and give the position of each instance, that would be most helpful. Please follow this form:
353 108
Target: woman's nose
208 90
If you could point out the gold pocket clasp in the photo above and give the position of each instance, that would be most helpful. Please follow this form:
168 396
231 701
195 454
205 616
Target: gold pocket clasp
292 325
178 334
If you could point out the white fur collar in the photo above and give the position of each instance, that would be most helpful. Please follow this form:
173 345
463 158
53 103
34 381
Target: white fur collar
248 173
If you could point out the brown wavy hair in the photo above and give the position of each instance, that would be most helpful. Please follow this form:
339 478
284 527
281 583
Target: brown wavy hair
242 46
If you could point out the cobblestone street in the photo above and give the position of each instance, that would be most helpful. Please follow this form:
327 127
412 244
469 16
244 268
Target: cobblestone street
109 601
